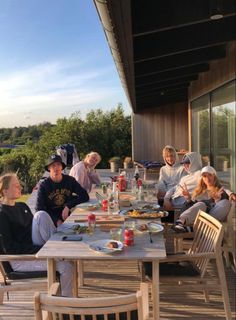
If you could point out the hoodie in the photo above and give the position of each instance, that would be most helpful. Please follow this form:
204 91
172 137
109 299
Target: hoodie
191 179
170 175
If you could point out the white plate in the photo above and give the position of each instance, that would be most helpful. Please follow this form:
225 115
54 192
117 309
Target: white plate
153 227
101 246
88 206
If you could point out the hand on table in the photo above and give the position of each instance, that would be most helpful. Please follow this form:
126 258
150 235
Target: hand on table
65 213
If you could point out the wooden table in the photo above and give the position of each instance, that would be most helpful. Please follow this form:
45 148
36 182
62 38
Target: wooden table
142 250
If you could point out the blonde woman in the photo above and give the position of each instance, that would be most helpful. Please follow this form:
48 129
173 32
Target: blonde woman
84 171
23 233
172 172
209 196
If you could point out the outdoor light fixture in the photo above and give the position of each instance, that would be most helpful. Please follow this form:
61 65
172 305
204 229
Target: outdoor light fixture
216 12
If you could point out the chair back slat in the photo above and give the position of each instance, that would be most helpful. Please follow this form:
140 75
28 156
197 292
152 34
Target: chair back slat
132 305
208 237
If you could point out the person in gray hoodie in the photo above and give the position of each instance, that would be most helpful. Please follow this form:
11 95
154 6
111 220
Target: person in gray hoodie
171 173
192 164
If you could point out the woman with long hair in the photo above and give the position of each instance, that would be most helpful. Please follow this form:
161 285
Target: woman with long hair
84 171
23 233
209 196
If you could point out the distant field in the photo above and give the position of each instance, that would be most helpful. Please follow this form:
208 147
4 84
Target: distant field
23 198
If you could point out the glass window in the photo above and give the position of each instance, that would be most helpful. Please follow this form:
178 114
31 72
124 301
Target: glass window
201 128
214 131
223 133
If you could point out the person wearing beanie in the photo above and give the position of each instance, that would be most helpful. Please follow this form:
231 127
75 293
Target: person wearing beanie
59 193
208 196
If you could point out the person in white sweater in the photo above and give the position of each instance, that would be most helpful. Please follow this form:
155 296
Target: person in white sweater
84 171
192 164
171 173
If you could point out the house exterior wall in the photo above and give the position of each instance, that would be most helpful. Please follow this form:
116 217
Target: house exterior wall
155 128
221 71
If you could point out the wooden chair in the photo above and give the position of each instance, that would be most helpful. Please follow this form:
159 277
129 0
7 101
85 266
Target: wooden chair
189 271
17 280
229 245
134 305
20 281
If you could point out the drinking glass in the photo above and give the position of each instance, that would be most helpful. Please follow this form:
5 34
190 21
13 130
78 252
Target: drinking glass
116 234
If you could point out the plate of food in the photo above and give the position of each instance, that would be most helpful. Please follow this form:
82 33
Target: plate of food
152 227
107 246
72 228
91 205
146 214
147 206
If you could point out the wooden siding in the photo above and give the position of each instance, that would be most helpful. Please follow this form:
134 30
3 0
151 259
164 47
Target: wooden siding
155 128
221 71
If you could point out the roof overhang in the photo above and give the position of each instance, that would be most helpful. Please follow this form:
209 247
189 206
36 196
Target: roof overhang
159 47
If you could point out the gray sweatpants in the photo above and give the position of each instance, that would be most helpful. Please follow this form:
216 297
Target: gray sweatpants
219 211
42 229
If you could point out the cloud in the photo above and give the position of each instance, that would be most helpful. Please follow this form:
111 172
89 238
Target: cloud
54 86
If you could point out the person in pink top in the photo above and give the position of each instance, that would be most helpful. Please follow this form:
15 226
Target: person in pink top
84 171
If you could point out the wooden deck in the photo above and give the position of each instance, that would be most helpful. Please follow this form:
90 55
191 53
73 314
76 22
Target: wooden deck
112 278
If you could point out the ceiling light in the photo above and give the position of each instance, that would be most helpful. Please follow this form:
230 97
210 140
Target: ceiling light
216 10
216 16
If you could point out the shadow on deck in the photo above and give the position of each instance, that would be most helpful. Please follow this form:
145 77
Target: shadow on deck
124 278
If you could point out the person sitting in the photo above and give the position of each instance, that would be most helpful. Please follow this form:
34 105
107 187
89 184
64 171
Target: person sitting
23 233
208 196
171 173
84 171
59 193
192 165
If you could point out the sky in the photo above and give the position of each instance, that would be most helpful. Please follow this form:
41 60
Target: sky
54 61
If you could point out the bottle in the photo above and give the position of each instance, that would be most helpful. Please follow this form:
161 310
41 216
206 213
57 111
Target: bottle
136 173
113 200
140 193
91 223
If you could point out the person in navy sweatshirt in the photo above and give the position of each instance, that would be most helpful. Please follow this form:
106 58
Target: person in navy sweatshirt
59 193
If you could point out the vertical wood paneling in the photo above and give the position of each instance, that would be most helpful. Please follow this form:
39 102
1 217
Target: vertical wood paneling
221 71
155 128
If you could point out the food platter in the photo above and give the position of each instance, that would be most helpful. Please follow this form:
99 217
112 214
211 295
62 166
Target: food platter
152 227
88 206
102 246
145 214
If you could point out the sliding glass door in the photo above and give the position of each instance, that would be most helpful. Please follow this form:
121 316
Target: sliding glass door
214 131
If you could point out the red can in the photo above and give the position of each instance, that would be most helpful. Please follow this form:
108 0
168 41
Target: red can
121 183
104 205
129 237
91 217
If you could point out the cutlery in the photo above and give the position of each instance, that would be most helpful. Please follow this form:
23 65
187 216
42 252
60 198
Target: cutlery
99 196
150 237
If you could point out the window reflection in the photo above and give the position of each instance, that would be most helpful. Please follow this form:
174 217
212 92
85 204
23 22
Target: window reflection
214 131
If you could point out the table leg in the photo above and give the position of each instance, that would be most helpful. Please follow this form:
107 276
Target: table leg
51 272
81 273
155 290
75 280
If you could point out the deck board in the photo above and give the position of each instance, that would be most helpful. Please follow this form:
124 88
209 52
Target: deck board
120 278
